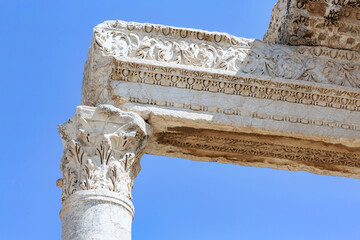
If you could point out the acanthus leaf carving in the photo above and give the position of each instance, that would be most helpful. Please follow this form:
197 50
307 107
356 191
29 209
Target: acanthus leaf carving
247 56
102 151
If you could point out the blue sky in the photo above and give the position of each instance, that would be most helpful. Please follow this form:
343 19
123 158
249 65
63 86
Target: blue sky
43 50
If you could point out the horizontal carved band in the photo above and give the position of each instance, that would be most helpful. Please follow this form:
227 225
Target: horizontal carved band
217 51
99 196
238 112
237 146
235 85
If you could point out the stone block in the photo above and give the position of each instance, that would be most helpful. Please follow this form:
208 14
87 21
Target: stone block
329 23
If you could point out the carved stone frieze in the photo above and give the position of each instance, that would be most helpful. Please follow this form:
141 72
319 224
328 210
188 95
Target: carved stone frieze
168 46
205 143
235 85
330 23
102 150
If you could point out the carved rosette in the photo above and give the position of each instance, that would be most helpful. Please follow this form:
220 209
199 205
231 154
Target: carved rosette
102 150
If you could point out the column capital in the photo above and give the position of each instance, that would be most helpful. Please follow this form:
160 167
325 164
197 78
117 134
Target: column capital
102 150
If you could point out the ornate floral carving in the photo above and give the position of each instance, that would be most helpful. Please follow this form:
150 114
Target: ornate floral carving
236 85
102 150
201 49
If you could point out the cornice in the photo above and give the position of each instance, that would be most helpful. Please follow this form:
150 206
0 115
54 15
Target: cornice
182 47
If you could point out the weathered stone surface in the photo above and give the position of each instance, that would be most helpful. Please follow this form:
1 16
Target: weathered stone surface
101 158
96 215
330 23
102 150
210 52
214 97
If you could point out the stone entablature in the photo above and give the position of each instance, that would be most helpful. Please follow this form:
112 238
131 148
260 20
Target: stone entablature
295 99
330 23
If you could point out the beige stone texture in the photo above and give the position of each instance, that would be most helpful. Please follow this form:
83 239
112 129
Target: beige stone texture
329 23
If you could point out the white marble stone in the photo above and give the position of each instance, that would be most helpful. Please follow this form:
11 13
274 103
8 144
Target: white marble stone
102 151
96 215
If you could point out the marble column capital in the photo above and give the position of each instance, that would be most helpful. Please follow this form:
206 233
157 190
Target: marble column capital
102 151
